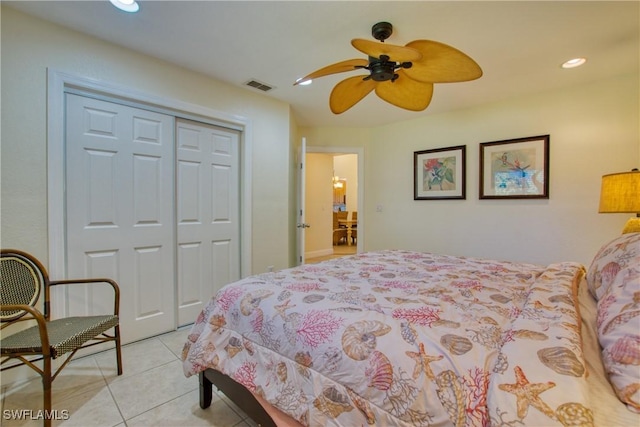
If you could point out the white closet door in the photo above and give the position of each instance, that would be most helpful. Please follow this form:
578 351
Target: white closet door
120 216
208 214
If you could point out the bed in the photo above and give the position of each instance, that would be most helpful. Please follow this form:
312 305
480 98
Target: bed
407 338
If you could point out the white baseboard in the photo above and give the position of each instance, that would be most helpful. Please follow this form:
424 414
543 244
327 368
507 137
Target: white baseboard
321 252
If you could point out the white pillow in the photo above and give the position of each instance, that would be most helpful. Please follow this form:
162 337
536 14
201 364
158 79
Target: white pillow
614 280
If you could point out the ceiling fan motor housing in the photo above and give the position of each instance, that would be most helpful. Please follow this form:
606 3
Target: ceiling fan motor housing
382 70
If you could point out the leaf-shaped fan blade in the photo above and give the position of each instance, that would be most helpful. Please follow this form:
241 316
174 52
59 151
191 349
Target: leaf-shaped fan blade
348 92
394 52
441 63
338 67
406 93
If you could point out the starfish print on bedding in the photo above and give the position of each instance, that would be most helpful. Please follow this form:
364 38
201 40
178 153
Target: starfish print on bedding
282 308
528 394
422 360
622 246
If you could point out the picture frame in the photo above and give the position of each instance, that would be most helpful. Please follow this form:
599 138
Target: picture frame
440 173
515 168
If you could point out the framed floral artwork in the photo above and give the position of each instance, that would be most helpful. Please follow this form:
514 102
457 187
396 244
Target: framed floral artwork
515 168
439 173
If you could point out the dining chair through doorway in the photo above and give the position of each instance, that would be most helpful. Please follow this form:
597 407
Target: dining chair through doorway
339 233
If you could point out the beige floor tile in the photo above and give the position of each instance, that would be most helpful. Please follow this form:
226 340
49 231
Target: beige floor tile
153 391
139 393
228 401
136 358
22 420
79 373
91 410
175 340
73 406
185 411
247 422
24 395
80 377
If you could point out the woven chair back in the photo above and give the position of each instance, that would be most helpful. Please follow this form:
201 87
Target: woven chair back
21 280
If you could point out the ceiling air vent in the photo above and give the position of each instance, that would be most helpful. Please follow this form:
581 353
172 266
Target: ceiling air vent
259 85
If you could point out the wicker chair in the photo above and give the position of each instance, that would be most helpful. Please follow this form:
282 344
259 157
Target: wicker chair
23 278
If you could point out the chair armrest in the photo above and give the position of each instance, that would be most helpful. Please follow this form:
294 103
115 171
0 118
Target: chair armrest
114 285
38 317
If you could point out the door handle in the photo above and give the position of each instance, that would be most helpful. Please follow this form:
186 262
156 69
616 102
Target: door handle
303 225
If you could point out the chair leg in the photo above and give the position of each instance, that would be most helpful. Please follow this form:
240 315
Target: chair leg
118 349
46 389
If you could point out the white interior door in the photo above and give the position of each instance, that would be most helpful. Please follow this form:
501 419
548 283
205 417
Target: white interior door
208 191
120 216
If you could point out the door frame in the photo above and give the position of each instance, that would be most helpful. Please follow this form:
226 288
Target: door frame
58 83
359 151
301 194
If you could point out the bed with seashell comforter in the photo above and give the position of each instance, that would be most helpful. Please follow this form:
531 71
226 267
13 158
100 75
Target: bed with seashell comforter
401 338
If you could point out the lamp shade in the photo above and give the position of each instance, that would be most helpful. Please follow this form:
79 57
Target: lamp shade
620 192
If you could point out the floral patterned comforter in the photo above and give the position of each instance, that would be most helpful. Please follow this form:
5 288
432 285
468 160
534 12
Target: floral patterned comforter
400 338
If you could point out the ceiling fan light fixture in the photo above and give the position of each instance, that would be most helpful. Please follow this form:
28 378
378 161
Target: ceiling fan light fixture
573 63
130 6
302 82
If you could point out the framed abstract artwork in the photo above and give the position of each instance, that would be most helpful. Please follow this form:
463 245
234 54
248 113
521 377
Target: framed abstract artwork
515 168
439 173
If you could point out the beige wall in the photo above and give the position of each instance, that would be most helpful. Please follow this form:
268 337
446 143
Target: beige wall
31 46
594 128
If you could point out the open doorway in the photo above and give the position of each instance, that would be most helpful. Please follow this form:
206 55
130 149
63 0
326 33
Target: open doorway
333 188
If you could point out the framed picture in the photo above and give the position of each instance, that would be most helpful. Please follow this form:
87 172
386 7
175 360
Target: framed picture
439 173
515 168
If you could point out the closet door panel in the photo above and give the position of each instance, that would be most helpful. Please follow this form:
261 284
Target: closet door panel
120 220
208 212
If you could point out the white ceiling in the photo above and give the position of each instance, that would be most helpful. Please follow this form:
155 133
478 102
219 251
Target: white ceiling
519 44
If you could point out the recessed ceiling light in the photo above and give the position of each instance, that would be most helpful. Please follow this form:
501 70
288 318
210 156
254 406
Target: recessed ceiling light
126 5
304 83
575 62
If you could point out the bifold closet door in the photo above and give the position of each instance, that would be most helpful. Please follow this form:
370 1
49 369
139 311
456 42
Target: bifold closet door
120 212
207 202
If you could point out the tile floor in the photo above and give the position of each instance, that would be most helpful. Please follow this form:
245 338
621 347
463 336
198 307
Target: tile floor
338 251
152 391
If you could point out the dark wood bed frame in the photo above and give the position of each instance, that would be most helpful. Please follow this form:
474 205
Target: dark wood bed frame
234 391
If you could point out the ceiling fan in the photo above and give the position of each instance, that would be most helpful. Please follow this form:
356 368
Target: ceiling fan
401 75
